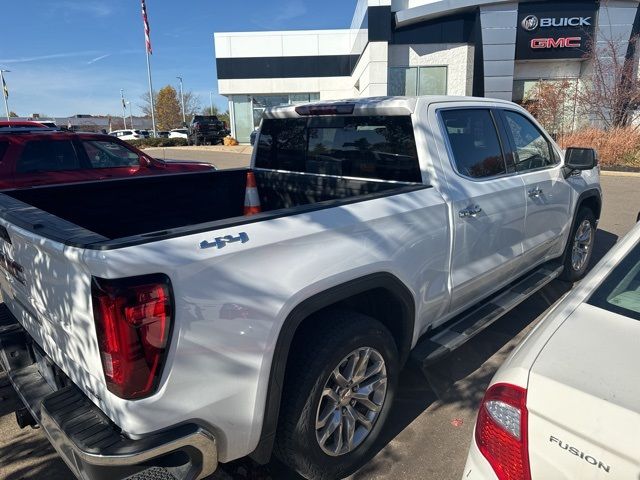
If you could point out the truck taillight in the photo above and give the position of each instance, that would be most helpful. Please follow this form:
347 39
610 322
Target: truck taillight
501 431
133 319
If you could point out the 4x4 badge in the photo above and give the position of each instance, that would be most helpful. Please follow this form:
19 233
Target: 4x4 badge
222 242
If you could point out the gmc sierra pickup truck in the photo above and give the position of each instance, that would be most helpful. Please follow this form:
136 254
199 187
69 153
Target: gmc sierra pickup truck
149 323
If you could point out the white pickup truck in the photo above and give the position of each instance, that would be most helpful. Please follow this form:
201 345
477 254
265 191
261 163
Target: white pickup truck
148 323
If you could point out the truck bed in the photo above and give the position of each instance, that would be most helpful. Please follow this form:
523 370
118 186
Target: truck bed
116 213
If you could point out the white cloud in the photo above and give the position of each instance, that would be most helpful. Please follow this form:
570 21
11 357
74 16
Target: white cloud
52 56
97 59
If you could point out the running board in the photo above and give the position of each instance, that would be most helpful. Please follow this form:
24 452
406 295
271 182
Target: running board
459 330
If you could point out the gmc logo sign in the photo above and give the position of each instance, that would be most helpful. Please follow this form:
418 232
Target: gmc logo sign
567 42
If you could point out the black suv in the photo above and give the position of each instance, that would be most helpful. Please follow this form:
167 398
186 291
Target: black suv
206 129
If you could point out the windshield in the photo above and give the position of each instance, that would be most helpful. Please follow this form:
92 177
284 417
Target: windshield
620 292
380 147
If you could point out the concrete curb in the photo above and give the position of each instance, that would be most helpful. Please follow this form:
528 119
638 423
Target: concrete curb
612 173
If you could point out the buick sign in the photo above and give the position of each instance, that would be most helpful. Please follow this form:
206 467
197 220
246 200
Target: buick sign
555 30
530 23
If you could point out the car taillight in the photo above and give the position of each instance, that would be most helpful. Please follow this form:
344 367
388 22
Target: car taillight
501 431
133 319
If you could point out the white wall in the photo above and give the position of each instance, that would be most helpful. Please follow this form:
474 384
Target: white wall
458 58
284 44
371 75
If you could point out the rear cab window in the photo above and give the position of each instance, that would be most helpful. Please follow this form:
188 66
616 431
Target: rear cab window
372 147
48 156
474 142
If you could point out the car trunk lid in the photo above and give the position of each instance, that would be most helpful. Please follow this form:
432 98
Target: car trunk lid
584 399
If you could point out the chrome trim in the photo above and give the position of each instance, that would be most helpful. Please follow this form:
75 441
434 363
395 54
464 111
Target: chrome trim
201 440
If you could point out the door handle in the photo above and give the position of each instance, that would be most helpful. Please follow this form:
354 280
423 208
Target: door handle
470 212
535 192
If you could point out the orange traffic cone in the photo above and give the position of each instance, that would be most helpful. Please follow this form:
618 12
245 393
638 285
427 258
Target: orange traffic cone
251 197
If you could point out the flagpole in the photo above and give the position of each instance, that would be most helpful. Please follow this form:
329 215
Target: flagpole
147 45
124 110
4 93
153 108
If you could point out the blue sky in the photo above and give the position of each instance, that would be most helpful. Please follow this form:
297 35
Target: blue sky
74 56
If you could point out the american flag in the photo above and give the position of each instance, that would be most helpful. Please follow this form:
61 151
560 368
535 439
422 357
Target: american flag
146 27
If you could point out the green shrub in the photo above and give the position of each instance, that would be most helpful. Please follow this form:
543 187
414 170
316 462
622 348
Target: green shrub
158 142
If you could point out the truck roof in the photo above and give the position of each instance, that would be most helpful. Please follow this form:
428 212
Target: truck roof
378 105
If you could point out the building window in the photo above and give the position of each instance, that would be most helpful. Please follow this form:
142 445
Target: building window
248 109
418 81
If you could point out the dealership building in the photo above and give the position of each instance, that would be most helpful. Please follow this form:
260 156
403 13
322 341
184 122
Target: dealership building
491 48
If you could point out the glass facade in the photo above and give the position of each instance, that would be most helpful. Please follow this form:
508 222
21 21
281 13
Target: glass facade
248 109
418 81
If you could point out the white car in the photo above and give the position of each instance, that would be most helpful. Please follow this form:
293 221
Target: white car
128 134
179 133
566 404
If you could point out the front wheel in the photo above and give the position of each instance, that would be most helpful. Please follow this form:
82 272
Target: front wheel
338 393
580 246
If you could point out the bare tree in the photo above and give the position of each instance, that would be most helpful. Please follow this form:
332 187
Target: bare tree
553 103
612 93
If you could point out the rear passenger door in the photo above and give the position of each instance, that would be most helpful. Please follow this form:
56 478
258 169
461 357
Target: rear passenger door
487 201
548 194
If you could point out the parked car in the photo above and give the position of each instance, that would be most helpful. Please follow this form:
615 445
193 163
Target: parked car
145 133
38 156
21 124
179 133
566 404
129 134
205 129
163 134
390 228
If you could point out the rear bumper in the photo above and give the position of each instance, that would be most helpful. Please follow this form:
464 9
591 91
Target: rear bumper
93 447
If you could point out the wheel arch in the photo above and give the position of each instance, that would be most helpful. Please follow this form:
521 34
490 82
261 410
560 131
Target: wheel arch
335 296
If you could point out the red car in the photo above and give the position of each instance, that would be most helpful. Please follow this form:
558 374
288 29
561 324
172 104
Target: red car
21 124
30 157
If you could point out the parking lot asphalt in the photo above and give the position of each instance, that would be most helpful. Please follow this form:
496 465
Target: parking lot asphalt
429 432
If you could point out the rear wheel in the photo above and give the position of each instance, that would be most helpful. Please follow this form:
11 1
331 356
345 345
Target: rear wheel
337 395
580 246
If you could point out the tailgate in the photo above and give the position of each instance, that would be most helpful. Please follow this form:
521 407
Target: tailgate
47 288
584 399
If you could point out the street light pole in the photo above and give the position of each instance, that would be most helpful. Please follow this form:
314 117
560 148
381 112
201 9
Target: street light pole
4 93
210 103
130 115
184 117
124 109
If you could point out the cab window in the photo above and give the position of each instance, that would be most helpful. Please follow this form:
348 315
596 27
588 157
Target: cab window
532 150
48 156
104 154
474 142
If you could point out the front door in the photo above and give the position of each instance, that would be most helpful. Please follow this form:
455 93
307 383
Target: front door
548 194
488 206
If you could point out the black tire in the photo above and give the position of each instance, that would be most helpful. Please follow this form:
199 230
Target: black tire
572 272
337 335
